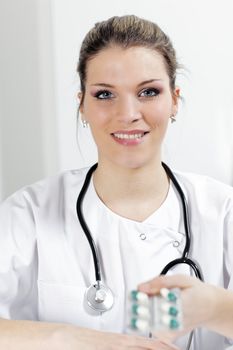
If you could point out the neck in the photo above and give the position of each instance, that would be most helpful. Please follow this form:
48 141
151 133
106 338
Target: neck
126 190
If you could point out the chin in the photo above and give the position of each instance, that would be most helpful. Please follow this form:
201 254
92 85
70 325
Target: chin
132 163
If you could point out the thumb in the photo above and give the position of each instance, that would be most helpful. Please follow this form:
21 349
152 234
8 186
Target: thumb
176 281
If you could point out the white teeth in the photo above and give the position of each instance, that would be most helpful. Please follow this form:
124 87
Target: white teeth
129 136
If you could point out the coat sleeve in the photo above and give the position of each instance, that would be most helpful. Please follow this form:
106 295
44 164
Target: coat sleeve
18 259
228 260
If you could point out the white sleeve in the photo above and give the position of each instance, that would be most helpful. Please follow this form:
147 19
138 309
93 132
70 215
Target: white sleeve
228 250
18 259
228 260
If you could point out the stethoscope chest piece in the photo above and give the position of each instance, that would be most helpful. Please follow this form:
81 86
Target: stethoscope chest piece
99 297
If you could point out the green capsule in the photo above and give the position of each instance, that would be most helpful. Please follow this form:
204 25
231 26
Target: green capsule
171 296
134 294
133 323
173 311
174 324
135 309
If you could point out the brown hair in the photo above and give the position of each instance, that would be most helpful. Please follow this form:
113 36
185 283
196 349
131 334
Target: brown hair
126 31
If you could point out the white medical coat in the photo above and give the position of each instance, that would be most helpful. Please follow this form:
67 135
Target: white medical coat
46 262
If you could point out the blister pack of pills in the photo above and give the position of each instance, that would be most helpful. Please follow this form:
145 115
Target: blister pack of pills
151 314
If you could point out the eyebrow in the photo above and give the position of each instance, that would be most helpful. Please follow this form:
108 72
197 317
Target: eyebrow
149 81
112 86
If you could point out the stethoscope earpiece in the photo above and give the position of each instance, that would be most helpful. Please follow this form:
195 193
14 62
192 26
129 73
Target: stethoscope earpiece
99 297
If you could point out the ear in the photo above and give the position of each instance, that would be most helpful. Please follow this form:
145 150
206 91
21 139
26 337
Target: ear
80 98
175 99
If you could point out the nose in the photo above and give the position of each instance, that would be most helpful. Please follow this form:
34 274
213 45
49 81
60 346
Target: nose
128 110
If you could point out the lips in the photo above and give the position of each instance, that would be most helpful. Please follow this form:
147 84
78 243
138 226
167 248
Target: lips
129 137
130 134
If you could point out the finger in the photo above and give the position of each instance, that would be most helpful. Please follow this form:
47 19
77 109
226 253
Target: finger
176 281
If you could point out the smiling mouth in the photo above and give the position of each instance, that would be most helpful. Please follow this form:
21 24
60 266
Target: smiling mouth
127 136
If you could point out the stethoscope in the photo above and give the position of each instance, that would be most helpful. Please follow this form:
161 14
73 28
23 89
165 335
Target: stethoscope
99 297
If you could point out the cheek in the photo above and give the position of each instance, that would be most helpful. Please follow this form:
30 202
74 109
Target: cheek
98 123
95 115
158 117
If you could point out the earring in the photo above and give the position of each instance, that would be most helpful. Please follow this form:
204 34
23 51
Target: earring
173 118
85 123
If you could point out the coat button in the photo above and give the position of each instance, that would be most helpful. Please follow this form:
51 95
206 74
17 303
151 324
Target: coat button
142 236
176 244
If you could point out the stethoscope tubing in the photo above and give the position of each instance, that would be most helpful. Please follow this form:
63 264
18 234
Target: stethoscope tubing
184 209
84 225
183 260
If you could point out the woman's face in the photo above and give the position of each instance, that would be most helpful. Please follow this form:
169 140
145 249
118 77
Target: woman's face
127 103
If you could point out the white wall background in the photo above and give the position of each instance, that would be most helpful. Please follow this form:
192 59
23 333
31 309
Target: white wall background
28 124
39 44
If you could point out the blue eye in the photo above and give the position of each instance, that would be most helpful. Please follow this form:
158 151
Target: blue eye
104 95
149 92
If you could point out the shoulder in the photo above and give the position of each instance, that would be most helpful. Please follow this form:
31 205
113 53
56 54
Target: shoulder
205 190
51 188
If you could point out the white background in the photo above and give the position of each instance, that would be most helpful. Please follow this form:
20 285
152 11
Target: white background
39 45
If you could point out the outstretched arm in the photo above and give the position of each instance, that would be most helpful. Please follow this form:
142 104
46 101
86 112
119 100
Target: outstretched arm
27 335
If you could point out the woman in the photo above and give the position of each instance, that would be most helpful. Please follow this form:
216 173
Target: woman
128 95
